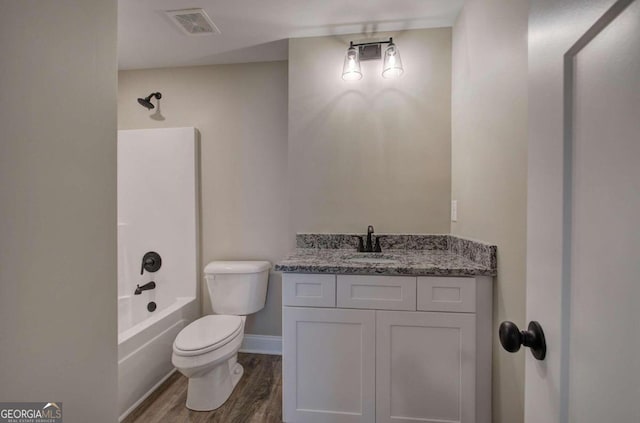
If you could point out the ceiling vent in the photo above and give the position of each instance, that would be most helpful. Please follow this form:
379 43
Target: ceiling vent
193 21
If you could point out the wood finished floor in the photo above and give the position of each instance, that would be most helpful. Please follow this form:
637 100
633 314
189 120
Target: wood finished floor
256 399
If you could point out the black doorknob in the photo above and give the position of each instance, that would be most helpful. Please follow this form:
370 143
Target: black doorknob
512 338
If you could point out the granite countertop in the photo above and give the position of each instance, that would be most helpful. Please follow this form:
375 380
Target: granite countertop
410 255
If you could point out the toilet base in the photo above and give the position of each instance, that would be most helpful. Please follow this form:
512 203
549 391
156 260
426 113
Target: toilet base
212 389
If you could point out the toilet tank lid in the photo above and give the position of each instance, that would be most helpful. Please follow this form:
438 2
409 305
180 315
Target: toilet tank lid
219 267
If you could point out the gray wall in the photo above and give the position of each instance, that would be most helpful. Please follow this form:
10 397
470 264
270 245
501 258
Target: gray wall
58 335
489 165
373 151
241 113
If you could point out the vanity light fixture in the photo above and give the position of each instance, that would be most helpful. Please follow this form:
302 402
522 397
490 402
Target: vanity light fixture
392 64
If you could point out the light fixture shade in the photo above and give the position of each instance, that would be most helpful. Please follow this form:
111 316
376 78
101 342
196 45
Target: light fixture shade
351 69
392 67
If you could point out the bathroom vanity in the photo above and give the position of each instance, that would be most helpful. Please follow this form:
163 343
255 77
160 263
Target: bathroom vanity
399 336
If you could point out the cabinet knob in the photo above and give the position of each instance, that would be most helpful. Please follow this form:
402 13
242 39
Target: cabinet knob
512 338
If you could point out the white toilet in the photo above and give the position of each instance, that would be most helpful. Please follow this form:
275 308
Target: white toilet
206 350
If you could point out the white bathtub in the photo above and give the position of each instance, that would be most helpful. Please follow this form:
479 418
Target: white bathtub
145 342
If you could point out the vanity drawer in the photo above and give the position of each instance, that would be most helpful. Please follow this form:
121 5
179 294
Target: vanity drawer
308 290
447 294
376 292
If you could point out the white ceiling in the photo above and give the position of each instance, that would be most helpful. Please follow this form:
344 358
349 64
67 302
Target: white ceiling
257 30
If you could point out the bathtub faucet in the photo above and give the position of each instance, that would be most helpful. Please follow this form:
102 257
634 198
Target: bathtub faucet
145 287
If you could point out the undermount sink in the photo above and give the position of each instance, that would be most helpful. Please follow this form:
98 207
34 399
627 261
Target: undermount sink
373 259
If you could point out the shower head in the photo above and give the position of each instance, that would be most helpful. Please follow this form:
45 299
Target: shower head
146 102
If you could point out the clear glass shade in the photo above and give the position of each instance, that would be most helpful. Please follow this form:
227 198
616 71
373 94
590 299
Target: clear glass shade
351 69
392 67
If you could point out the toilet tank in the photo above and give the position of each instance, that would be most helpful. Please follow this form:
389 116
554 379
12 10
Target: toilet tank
237 287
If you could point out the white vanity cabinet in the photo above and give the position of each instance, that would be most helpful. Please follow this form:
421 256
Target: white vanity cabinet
386 349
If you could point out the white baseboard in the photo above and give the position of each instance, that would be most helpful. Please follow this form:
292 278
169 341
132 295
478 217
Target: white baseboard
262 344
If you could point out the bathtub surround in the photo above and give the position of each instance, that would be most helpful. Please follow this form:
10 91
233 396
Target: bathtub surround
489 165
158 198
58 335
376 150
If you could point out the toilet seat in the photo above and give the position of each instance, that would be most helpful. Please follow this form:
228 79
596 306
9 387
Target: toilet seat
207 334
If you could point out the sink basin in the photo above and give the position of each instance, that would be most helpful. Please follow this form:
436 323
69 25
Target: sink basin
373 259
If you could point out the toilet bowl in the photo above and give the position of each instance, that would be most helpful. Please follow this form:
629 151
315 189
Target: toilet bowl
206 350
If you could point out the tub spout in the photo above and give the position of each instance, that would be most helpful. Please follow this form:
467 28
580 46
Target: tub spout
145 287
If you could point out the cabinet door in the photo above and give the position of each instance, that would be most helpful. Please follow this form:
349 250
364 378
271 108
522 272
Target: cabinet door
328 365
425 367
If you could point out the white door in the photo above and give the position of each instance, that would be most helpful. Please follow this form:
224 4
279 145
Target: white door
425 367
329 365
583 250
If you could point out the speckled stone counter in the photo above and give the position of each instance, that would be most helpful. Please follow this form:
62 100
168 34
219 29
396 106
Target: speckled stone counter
402 254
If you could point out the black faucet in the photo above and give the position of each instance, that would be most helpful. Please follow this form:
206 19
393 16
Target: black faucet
369 247
145 287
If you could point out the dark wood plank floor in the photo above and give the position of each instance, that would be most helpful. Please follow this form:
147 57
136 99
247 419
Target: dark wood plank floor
256 399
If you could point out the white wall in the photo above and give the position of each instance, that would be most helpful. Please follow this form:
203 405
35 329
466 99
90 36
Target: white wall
373 151
58 205
241 113
489 165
